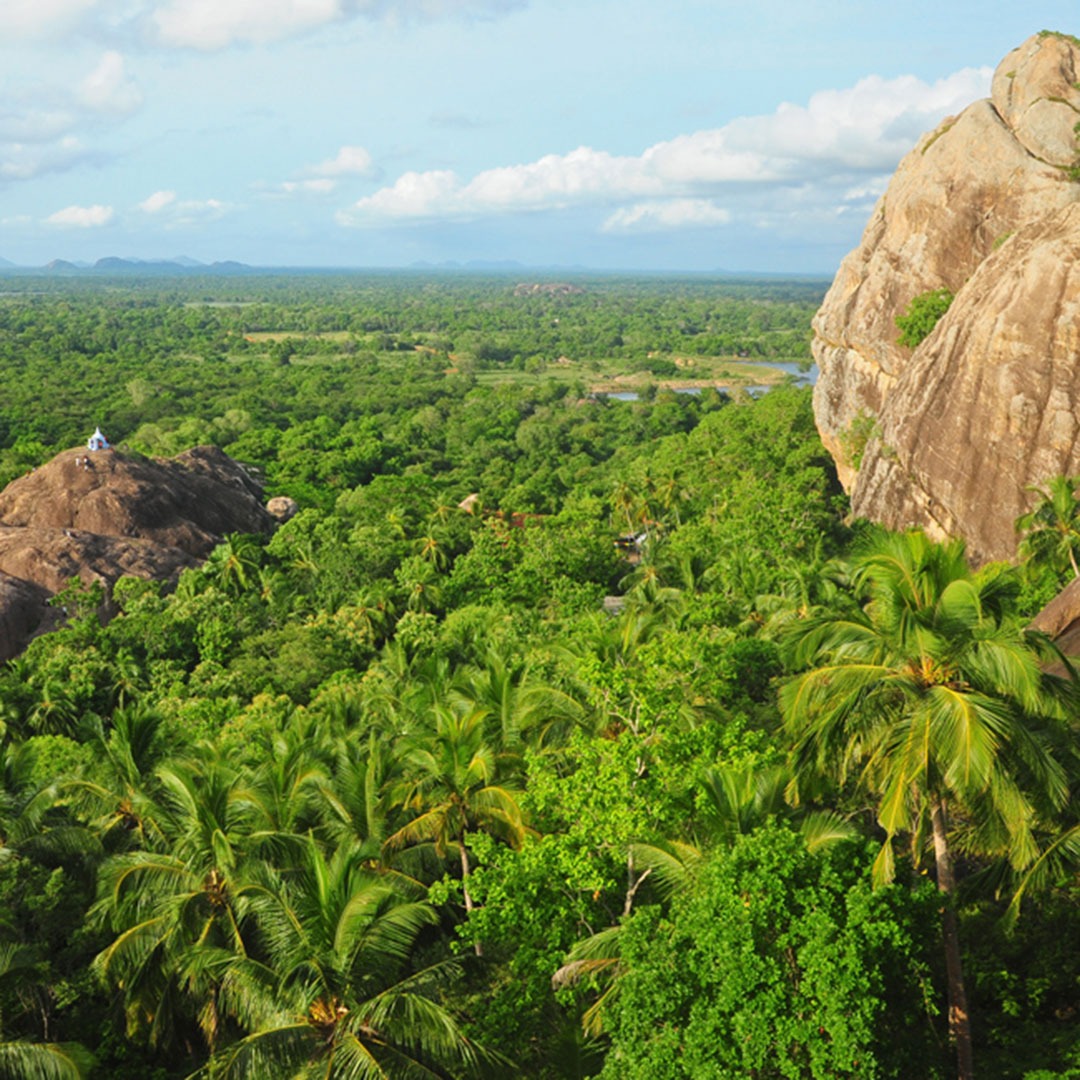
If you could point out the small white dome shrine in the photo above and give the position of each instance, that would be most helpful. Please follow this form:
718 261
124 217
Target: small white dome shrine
97 441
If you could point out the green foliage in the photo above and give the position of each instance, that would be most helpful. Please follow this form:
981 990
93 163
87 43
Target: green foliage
921 316
1024 987
1050 530
778 963
507 684
1058 34
854 439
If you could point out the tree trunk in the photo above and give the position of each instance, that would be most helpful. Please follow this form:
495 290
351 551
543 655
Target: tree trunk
478 948
959 1020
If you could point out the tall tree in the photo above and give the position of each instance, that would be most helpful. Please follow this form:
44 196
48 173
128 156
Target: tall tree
337 993
167 906
1050 530
453 785
932 700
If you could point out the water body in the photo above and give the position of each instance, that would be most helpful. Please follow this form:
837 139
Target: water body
789 367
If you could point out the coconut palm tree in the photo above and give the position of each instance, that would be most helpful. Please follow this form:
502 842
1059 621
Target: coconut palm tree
166 907
739 798
117 795
520 708
337 993
934 702
1051 528
452 783
43 1061
233 565
24 800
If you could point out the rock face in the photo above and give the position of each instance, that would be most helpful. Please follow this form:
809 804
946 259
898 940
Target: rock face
1060 620
987 207
282 508
189 502
99 516
23 611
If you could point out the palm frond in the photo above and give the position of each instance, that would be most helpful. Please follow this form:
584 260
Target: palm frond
44 1061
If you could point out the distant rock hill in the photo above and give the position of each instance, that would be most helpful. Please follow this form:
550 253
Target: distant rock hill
948 436
547 288
98 516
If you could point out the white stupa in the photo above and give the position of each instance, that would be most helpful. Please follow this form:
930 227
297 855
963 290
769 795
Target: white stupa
97 441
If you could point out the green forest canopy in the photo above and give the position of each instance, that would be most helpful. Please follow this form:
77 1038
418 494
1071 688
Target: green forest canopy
396 789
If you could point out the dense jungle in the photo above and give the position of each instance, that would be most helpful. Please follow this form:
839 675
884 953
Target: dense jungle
570 728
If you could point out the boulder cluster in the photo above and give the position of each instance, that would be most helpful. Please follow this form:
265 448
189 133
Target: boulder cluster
97 516
950 435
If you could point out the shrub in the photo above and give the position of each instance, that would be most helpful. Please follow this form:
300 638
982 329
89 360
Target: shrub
922 316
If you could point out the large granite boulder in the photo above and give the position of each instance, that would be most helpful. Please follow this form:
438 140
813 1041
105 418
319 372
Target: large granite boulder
97 516
987 405
188 502
948 435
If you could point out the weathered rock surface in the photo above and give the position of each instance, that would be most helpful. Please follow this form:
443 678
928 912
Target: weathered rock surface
23 611
1060 620
50 558
99 516
988 403
984 206
189 502
282 508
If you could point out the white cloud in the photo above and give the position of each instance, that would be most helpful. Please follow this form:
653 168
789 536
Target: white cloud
40 18
414 195
672 214
37 125
25 122
323 178
108 89
209 25
195 212
321 185
154 204
174 213
349 161
217 24
871 191
81 217
833 141
18 161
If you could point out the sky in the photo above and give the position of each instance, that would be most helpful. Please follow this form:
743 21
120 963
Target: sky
682 135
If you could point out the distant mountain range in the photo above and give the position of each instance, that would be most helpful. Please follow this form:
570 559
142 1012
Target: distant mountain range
184 264
113 264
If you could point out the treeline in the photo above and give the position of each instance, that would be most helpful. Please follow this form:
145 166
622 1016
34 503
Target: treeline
205 360
633 765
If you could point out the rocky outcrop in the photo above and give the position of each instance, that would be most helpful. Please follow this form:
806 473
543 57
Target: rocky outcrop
1060 621
24 611
189 502
50 558
988 403
99 516
986 207
281 508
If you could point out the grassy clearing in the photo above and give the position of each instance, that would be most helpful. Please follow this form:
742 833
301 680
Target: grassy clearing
299 335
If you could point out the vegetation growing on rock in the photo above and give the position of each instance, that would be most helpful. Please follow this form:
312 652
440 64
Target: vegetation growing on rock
921 316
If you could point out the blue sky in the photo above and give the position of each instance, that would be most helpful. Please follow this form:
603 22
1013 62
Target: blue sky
608 134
